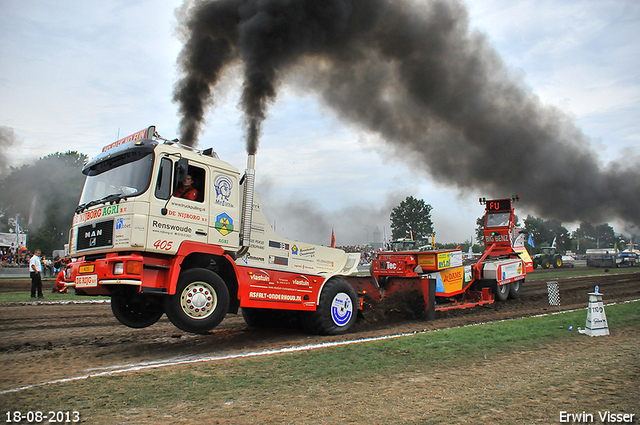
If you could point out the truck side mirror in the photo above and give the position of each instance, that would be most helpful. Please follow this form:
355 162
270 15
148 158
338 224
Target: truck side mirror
182 167
163 184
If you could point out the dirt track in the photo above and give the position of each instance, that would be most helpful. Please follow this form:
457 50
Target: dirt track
43 342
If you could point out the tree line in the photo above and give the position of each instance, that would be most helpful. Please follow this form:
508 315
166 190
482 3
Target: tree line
586 236
42 198
412 219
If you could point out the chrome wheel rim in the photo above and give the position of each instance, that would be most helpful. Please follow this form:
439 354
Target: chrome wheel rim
198 300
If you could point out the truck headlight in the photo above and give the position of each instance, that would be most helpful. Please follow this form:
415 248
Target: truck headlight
118 268
130 267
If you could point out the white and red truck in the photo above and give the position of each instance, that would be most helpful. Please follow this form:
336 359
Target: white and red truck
196 258
138 238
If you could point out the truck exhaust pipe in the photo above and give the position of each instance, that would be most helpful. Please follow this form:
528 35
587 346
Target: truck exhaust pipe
247 205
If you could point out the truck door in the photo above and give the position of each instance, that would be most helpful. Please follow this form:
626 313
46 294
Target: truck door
224 210
179 211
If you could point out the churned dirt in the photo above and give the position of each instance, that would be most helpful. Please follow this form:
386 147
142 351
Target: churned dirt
41 342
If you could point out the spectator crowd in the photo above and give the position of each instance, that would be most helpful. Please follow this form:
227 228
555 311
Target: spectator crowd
12 257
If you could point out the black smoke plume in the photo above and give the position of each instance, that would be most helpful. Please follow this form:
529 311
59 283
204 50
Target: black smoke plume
416 75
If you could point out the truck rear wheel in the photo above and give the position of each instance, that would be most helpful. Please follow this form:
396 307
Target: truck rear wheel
336 312
135 310
516 289
200 303
502 292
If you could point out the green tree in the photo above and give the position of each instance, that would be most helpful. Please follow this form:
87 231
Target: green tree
411 217
543 232
43 196
589 236
480 229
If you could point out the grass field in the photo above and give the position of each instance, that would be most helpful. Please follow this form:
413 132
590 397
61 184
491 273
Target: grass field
577 271
289 388
19 297
47 284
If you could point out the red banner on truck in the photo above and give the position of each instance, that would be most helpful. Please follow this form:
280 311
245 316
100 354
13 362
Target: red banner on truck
142 134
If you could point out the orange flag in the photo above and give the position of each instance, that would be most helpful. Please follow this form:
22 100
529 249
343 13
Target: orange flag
333 239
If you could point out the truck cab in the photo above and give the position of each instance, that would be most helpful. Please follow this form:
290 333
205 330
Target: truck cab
166 228
501 236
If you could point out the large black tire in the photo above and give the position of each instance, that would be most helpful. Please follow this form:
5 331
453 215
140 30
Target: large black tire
545 263
200 303
337 310
516 289
135 310
502 292
557 262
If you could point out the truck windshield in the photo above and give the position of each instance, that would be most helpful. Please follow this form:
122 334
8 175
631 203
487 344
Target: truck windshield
498 219
125 179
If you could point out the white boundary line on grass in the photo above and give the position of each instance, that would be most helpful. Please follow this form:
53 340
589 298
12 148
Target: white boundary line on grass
13 303
183 361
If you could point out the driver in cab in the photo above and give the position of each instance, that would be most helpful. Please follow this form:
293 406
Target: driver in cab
186 190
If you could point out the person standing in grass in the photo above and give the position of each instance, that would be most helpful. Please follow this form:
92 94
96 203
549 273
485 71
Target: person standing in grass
35 269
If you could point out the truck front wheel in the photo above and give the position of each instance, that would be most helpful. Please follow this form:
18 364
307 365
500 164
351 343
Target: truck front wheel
136 311
200 303
337 310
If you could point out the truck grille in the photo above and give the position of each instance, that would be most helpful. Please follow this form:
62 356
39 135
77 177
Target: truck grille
95 235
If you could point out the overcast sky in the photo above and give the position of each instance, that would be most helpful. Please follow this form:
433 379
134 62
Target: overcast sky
74 75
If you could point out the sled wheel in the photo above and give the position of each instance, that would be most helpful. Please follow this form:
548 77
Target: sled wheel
200 303
516 289
136 311
502 292
336 312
